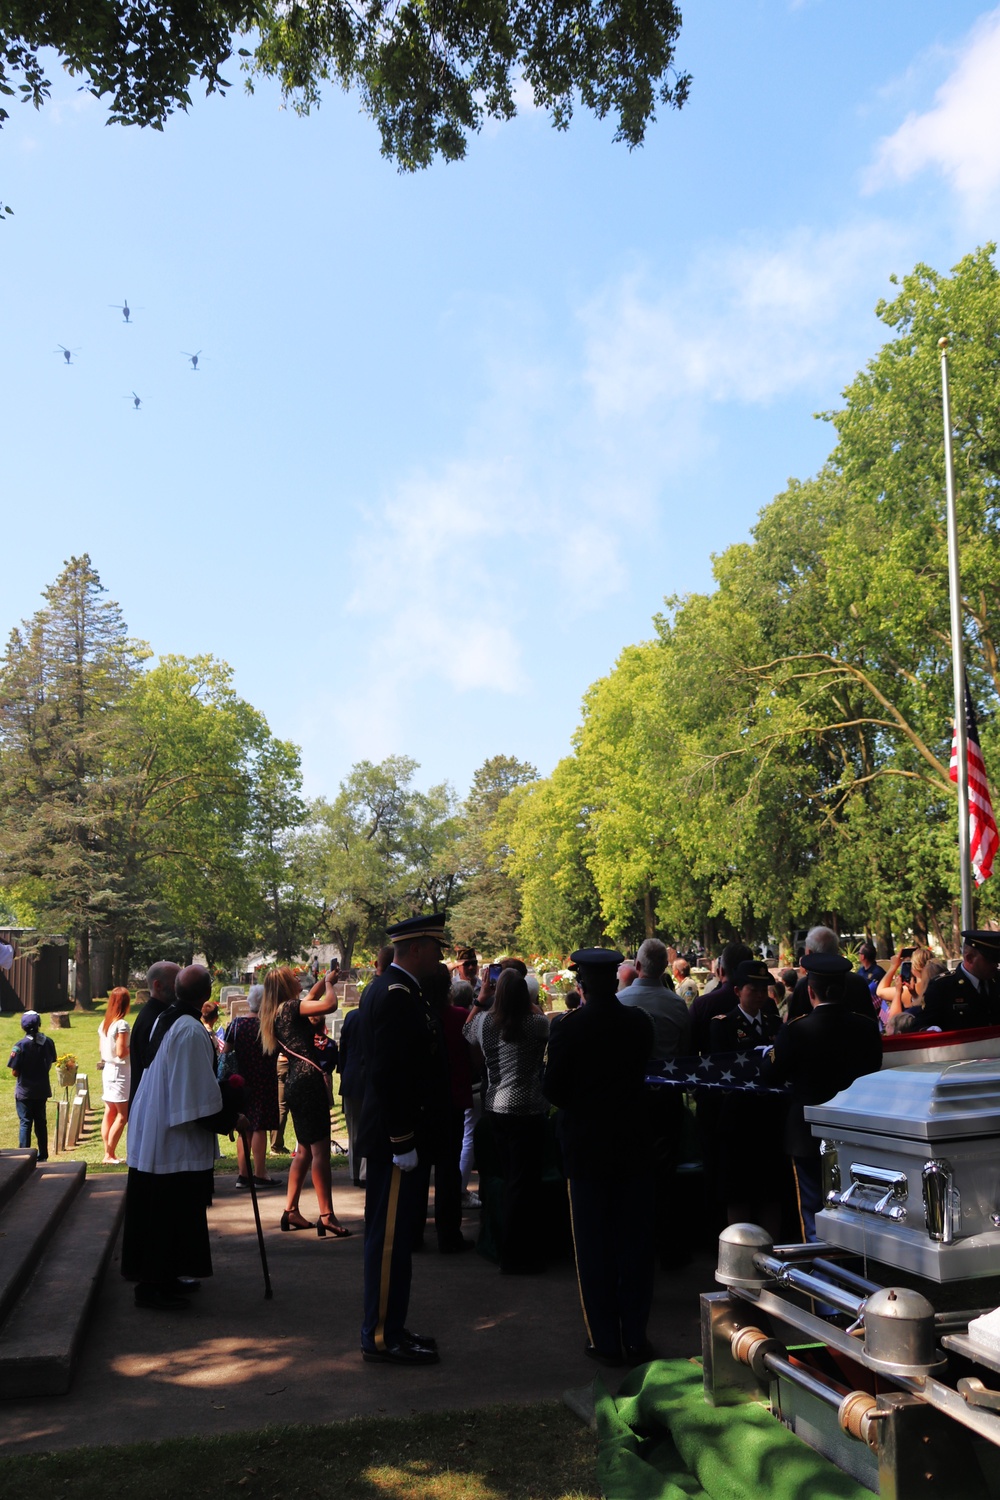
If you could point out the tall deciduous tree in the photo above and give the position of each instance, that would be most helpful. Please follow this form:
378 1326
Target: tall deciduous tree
429 72
488 911
380 851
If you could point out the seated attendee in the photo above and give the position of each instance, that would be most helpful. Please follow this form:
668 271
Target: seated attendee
719 1001
627 975
970 996
686 987
868 967
819 1055
855 992
902 986
753 1020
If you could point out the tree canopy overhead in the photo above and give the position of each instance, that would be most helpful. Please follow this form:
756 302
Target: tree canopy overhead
428 72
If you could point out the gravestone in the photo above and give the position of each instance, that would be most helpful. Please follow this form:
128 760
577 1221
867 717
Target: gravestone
229 993
74 1123
239 1006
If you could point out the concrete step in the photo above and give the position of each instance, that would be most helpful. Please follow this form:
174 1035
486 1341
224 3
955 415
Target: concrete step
29 1221
40 1341
15 1167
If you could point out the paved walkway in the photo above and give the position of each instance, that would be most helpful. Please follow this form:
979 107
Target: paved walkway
237 1362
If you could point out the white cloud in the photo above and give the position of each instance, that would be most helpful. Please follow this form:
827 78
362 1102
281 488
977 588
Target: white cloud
959 136
565 469
748 324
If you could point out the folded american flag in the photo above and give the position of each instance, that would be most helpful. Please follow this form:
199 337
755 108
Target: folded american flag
723 1070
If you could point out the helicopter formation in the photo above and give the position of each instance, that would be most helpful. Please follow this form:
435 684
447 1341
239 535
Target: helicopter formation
126 311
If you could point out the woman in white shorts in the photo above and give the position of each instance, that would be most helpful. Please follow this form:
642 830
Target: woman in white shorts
116 1070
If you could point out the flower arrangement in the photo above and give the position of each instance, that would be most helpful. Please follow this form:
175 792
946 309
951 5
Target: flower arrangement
66 1063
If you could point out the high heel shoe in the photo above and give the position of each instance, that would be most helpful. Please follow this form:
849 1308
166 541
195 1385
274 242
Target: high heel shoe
287 1224
338 1231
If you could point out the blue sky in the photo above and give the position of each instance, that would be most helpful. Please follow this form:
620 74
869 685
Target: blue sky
456 435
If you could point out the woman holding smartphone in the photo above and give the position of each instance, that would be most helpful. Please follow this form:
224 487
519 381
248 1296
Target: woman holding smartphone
286 1017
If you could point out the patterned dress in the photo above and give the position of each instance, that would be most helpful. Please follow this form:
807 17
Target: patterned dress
259 1071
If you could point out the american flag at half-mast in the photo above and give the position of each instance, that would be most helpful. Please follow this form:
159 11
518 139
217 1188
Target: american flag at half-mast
982 824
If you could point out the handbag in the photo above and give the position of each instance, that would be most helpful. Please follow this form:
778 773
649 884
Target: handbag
226 1065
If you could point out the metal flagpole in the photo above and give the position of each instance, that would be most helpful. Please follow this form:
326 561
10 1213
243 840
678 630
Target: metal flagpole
957 652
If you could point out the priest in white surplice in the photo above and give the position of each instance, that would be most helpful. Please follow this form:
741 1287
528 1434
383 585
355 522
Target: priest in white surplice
171 1152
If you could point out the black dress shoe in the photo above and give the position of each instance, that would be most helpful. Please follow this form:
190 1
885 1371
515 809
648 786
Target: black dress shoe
184 1286
639 1354
611 1358
401 1354
421 1340
456 1246
159 1298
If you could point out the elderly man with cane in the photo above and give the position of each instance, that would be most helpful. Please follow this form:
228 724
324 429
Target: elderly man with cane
172 1149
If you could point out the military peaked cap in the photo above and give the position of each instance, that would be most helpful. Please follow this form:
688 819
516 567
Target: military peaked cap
826 963
596 957
429 926
985 942
752 971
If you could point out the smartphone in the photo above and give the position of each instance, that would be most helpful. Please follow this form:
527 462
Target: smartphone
494 972
906 953
906 971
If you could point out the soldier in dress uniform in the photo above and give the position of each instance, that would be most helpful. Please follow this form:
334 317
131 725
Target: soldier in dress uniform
595 1075
970 996
819 1054
406 1084
751 1175
754 1019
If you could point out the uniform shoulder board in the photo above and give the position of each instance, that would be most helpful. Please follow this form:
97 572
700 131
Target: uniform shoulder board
404 987
798 1018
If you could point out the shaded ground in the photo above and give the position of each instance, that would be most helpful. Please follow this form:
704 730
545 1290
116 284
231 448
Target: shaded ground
500 1453
234 1362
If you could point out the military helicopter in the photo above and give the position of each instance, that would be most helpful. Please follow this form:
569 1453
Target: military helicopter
193 358
135 400
66 353
123 308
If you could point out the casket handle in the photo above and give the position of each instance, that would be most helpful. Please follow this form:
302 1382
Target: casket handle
937 1181
893 1187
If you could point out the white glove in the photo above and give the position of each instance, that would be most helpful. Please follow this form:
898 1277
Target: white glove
406 1162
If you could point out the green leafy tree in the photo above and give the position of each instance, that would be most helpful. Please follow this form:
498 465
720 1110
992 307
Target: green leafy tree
544 825
488 911
428 73
379 852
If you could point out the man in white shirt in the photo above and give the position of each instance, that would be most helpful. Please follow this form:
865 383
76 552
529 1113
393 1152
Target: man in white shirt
171 1152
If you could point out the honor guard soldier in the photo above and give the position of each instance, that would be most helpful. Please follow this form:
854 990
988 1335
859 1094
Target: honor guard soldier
752 1181
970 995
819 1054
403 1050
595 1075
754 1019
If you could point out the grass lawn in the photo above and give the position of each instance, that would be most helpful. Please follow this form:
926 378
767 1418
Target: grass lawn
81 1040
501 1453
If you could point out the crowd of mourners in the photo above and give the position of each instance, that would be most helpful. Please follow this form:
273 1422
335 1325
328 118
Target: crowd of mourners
446 1068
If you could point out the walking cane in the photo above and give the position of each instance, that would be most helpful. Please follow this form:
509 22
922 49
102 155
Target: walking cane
268 1294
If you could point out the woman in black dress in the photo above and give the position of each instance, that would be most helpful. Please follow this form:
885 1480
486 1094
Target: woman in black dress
258 1070
285 1023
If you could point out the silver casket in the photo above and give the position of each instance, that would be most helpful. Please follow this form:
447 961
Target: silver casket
911 1168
